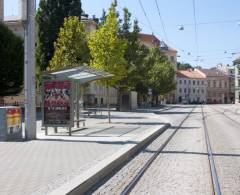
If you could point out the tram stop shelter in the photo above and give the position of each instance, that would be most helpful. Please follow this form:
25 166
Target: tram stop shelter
61 95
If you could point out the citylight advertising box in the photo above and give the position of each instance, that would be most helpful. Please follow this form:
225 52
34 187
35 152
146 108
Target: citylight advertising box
10 123
57 108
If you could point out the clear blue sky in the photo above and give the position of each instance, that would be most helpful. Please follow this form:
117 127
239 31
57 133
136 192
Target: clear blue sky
216 41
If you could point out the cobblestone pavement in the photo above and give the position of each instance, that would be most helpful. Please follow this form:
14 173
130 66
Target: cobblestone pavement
224 135
181 169
38 167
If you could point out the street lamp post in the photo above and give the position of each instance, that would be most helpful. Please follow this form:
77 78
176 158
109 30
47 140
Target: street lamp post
29 69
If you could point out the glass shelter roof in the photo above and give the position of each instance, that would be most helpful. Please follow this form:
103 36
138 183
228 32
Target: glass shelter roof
81 74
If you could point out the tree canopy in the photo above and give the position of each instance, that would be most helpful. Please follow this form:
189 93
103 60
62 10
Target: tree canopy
107 49
11 61
71 47
183 66
161 73
50 17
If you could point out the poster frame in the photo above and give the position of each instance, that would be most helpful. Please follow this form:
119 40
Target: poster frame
71 122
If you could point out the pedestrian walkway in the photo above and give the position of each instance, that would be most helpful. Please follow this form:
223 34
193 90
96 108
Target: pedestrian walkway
43 165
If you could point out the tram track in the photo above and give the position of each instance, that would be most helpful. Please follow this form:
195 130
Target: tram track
223 113
149 162
138 175
214 175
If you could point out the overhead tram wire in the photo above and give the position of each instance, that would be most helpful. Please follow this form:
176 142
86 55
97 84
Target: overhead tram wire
161 20
213 22
195 28
145 14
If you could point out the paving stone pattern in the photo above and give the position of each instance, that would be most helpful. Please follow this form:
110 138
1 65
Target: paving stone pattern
224 135
183 166
181 169
38 167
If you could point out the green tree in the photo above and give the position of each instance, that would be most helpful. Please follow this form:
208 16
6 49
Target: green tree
107 49
134 55
161 73
50 17
183 66
11 61
71 46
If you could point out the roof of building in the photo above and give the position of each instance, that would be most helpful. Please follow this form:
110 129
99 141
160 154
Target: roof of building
148 38
165 47
191 74
213 72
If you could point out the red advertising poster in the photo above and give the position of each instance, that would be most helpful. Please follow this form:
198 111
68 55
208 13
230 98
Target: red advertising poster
56 103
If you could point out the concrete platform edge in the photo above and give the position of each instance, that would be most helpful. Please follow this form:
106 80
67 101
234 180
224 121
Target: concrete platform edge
82 183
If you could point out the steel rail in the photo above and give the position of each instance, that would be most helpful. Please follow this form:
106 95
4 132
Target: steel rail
138 176
226 115
214 176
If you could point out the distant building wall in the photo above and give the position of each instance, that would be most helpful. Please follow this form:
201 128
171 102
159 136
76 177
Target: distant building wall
96 94
16 27
230 72
191 87
237 82
1 10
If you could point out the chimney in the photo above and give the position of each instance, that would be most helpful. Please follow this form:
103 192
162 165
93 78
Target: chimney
1 10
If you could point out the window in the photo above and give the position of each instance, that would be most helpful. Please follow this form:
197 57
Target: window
214 83
172 58
189 82
202 90
198 82
180 90
185 90
193 82
225 84
185 82
193 90
209 83
95 100
180 81
220 84
202 82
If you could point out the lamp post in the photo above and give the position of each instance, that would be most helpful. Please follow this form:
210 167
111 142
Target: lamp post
28 8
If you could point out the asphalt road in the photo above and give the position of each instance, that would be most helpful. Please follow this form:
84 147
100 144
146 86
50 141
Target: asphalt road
183 167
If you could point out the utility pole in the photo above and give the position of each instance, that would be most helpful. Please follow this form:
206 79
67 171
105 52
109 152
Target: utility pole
29 8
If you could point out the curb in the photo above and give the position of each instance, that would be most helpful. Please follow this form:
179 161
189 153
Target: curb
84 182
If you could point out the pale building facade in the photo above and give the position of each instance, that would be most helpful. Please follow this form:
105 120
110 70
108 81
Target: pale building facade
230 72
96 95
15 25
237 80
1 10
217 86
191 86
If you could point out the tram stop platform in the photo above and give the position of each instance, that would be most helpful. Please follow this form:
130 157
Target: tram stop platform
60 164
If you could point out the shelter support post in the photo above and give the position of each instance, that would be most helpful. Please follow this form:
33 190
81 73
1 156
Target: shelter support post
70 131
108 105
78 107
